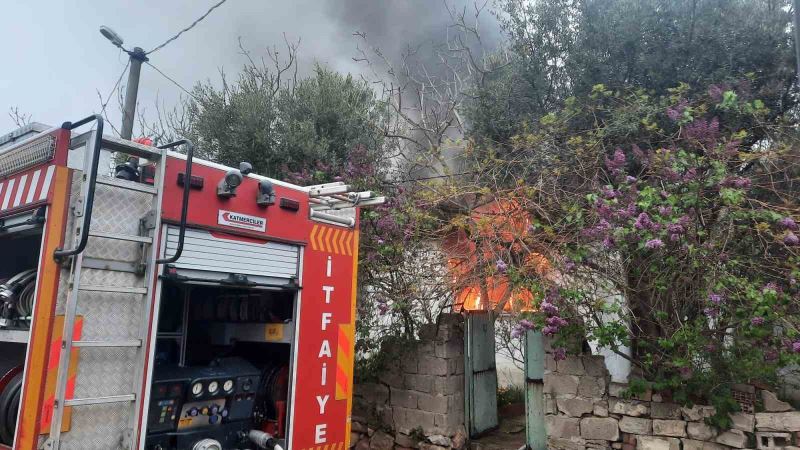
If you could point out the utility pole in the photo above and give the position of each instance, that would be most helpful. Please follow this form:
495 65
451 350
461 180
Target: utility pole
137 57
796 8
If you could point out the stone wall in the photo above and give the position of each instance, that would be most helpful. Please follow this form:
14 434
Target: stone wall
418 400
584 409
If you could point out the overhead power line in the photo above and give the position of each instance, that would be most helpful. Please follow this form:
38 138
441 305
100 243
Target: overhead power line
199 19
171 80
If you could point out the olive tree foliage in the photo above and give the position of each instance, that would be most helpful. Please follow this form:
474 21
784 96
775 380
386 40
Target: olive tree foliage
562 48
285 124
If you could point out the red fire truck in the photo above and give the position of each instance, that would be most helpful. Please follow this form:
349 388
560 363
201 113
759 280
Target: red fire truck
170 303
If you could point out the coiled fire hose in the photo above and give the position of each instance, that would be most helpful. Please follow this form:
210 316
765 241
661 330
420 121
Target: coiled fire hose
16 298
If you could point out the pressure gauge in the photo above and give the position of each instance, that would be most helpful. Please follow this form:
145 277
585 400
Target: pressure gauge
197 389
228 386
213 387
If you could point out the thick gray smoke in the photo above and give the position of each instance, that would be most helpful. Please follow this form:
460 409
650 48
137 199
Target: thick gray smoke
36 40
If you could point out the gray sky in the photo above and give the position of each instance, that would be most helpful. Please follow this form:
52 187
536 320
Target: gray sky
56 60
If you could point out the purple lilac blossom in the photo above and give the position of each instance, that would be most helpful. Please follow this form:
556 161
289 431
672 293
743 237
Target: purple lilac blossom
559 354
791 239
501 266
654 243
665 210
643 221
616 164
711 312
757 321
675 228
715 298
788 223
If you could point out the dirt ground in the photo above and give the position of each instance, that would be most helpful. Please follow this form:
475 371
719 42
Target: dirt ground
510 435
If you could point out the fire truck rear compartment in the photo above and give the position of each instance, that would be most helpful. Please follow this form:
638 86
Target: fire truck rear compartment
17 284
221 366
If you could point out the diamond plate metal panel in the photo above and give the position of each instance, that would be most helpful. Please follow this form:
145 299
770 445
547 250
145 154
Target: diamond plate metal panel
97 427
118 210
105 371
113 250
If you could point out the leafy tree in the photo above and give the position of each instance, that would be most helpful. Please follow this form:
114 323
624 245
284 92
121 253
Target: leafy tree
306 129
562 48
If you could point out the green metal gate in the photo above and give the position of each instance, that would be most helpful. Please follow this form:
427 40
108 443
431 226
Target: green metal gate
536 435
480 374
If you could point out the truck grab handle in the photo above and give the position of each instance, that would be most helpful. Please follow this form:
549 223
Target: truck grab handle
187 185
60 254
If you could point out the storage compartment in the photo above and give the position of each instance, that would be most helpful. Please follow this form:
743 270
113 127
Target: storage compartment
222 365
20 240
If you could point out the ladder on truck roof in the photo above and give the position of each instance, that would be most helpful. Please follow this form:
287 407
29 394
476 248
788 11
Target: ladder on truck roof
108 278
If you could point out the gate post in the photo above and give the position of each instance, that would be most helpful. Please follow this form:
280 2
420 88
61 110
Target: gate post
536 432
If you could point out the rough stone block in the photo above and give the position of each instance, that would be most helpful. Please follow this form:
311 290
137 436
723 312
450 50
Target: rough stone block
573 443
438 439
373 392
616 389
657 443
447 424
658 398
550 406
744 422
733 438
404 398
455 366
772 404
665 411
595 366
449 349
772 440
600 428
787 421
425 349
673 428
448 385
691 444
420 383
697 412
562 427
575 407
591 387
634 425
632 408
381 441
601 409
406 420
409 364
700 431
431 365
432 403
427 446
392 378
550 363
571 365
363 444
404 440
560 385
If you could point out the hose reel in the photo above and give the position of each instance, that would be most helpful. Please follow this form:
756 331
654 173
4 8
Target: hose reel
16 299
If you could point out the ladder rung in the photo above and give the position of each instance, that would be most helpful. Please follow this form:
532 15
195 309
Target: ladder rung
100 400
121 237
108 344
114 289
128 185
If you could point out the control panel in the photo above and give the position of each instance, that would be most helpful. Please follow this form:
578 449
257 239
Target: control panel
189 404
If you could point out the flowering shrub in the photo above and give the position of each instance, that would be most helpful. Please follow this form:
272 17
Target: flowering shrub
671 223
